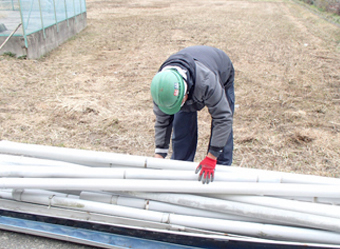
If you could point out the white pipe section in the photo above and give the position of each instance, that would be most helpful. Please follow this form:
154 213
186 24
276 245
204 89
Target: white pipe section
106 159
116 173
8 193
259 175
95 207
10 160
168 186
159 163
83 157
31 208
261 230
248 210
5 195
37 192
297 206
41 171
307 179
235 210
331 201
159 206
226 226
57 172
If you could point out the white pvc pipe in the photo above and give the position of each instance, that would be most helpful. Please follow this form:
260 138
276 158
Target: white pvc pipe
159 206
37 192
56 172
10 160
168 186
226 226
106 159
83 157
248 210
261 230
8 193
116 173
94 218
309 187
297 206
29 196
307 179
42 171
9 170
331 201
260 175
5 194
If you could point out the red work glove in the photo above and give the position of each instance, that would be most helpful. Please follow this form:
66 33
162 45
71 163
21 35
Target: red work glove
207 167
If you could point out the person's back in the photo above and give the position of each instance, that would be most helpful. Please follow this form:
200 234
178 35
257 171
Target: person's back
213 58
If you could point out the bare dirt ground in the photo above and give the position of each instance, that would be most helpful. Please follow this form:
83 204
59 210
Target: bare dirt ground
93 91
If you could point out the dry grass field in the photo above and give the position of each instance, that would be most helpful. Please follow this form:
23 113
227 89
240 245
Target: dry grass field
93 91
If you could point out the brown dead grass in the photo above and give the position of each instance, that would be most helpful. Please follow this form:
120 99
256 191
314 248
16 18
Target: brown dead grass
93 91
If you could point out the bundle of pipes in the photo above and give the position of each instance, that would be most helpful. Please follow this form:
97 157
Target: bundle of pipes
165 194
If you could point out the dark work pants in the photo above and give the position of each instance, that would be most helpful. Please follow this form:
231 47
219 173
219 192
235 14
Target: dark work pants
184 135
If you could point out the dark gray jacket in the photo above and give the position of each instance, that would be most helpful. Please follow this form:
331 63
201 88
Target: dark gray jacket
209 72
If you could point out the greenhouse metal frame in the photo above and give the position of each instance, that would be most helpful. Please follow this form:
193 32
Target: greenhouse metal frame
41 25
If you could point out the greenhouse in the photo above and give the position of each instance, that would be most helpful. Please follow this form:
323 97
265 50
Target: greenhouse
32 28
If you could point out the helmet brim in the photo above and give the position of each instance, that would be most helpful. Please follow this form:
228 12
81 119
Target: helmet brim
171 111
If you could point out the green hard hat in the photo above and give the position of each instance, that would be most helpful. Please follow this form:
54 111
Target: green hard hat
167 90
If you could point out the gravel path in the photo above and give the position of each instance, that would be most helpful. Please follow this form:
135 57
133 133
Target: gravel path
11 240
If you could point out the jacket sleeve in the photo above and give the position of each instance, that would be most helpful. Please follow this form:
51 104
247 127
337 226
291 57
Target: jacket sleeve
163 129
214 97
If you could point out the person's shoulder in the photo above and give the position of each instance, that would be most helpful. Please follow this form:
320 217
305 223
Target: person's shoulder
204 76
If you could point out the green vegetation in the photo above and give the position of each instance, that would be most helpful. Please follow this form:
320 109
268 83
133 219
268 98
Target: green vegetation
10 54
330 6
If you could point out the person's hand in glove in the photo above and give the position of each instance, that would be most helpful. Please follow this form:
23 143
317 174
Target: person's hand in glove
207 169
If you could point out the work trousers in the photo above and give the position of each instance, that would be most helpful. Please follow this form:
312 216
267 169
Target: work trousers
185 134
